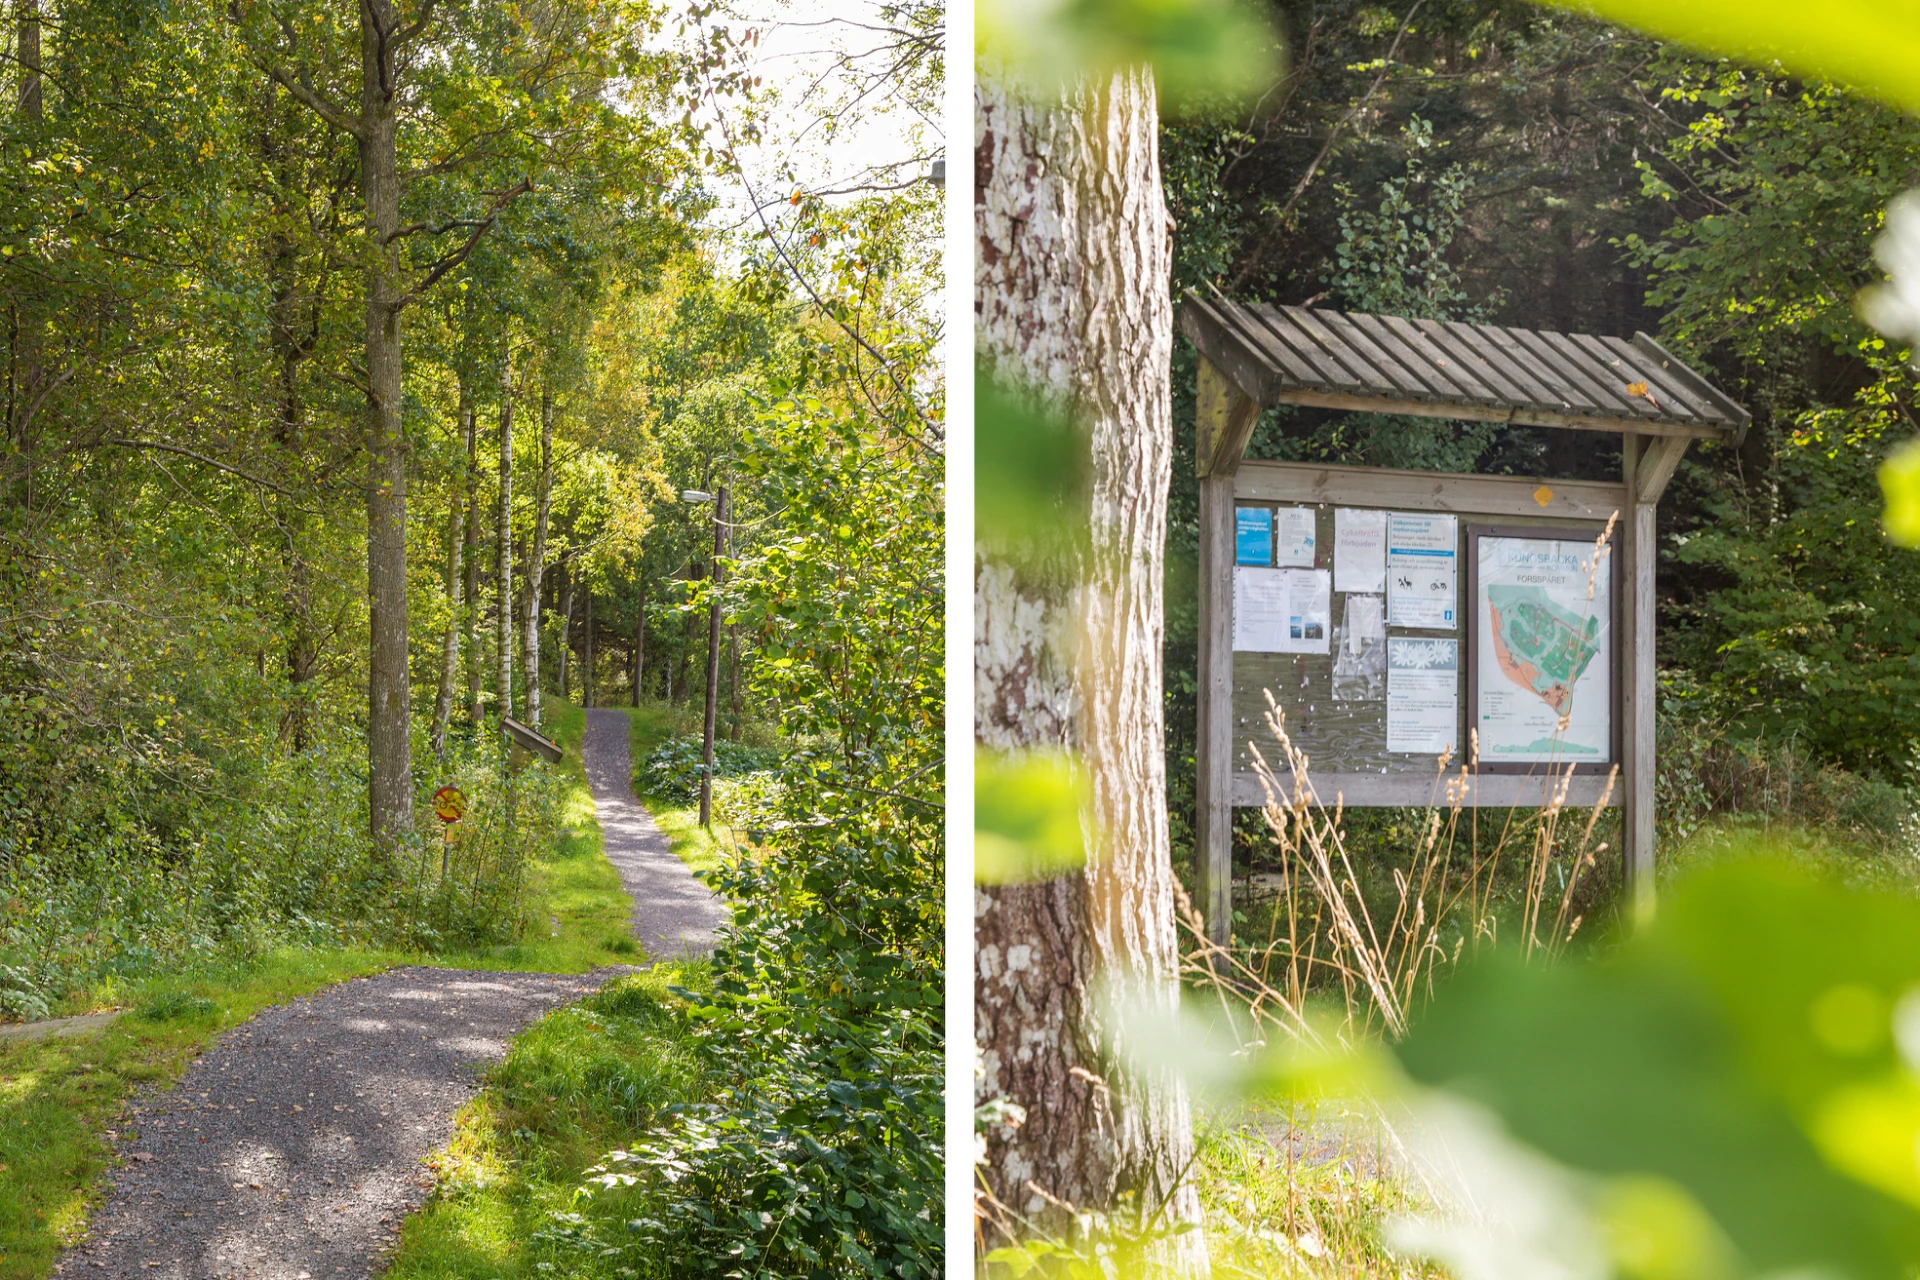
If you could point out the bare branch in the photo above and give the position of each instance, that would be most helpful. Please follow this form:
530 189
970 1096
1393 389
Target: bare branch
162 446
439 269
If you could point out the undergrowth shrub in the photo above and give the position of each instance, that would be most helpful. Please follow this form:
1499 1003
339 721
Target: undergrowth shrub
288 862
672 769
819 1152
1710 766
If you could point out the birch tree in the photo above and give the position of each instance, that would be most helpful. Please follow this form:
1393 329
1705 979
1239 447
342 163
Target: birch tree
1071 302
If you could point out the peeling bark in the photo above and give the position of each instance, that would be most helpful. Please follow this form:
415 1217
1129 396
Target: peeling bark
1072 301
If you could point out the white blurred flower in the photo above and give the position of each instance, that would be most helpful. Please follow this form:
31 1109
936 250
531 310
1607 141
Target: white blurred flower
1894 307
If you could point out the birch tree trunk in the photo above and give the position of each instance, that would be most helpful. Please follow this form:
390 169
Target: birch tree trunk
504 584
470 587
390 780
1071 300
586 656
639 644
537 558
566 629
450 643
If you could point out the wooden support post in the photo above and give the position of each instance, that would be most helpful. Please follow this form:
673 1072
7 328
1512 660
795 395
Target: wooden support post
1213 743
1646 471
1223 422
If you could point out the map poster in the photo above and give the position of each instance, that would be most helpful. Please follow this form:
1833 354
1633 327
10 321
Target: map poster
1543 663
1423 694
1252 535
1422 571
1282 610
1359 550
1293 541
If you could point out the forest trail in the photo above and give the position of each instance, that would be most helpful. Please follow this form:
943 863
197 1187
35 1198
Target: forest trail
291 1149
674 915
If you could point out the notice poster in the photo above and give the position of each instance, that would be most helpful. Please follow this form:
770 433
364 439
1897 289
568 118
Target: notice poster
1422 570
1543 668
1282 610
1360 651
1423 694
1359 550
1252 535
1293 538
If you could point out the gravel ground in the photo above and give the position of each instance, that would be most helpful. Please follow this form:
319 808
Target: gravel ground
291 1149
674 915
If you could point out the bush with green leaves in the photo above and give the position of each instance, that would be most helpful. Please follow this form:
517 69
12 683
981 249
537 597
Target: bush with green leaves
821 1155
672 769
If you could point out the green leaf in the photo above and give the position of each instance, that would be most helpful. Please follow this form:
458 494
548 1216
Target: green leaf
1026 816
1873 46
1900 484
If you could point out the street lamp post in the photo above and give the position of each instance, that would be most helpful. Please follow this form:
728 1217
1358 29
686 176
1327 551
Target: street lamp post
719 500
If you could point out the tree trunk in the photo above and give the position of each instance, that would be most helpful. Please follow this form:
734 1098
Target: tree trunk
536 561
639 644
26 376
566 629
504 585
470 588
586 657
450 644
27 57
733 683
390 780
289 321
1072 301
713 654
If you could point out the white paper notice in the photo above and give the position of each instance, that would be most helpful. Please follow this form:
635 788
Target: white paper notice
1422 571
1359 550
1293 545
1282 610
1423 694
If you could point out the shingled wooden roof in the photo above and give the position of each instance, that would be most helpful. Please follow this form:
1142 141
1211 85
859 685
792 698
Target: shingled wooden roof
1450 369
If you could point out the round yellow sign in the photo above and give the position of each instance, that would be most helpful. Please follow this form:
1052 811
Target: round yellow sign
450 803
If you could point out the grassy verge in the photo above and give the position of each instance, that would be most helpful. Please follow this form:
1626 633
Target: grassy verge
59 1099
693 844
578 1083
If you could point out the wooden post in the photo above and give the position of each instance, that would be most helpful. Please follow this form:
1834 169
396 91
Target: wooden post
1213 697
1648 464
1637 679
1224 417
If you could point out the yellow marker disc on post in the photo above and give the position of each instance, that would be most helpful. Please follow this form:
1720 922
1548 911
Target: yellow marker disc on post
1543 495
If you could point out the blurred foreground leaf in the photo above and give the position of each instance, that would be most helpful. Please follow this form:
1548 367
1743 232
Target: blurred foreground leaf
1872 46
1744 1051
1900 485
1026 816
1030 470
1195 47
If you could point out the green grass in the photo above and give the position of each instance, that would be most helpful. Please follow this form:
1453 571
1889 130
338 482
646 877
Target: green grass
699 848
59 1099
580 1082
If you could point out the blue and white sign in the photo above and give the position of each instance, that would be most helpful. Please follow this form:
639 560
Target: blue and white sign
1253 535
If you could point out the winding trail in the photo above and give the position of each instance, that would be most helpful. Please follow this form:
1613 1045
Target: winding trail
674 915
292 1148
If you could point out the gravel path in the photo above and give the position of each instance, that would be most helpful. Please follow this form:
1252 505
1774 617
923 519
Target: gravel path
674 915
291 1149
